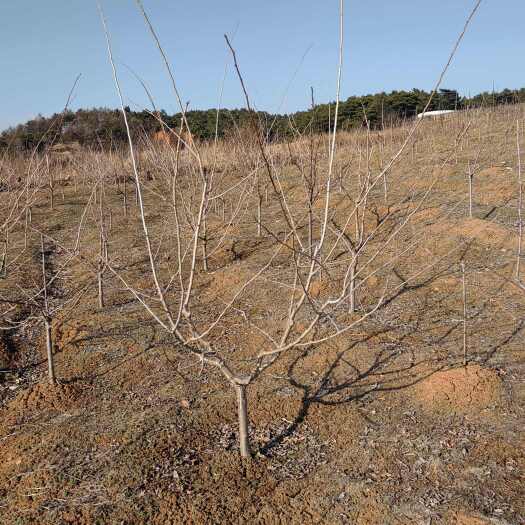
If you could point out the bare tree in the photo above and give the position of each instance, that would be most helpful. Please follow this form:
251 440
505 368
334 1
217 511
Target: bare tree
294 261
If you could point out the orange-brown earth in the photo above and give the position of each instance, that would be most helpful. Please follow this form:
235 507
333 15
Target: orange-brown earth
383 425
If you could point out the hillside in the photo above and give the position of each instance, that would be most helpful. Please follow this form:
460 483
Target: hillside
101 127
374 322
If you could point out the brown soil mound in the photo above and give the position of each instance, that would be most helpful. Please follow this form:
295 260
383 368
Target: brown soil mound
445 235
44 396
446 283
226 284
464 390
69 333
494 186
483 231
462 518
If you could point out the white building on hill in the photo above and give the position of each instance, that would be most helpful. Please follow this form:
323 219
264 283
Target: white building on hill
435 113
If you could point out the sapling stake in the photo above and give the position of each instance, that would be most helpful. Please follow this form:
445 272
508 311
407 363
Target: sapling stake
204 245
520 203
464 282
103 259
51 184
103 246
47 317
3 262
259 214
125 197
470 175
49 348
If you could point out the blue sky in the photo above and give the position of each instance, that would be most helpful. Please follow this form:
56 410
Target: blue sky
389 45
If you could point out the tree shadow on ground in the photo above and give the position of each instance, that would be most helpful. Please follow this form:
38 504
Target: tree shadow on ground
342 381
377 377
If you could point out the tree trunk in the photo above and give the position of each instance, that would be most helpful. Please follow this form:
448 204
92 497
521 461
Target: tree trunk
25 229
259 215
204 245
470 181
49 347
242 407
352 287
520 204
100 290
464 314
125 198
3 262
470 196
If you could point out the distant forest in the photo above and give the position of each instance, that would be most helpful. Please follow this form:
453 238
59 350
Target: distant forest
101 127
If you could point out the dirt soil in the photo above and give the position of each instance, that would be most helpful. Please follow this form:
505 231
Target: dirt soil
383 426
